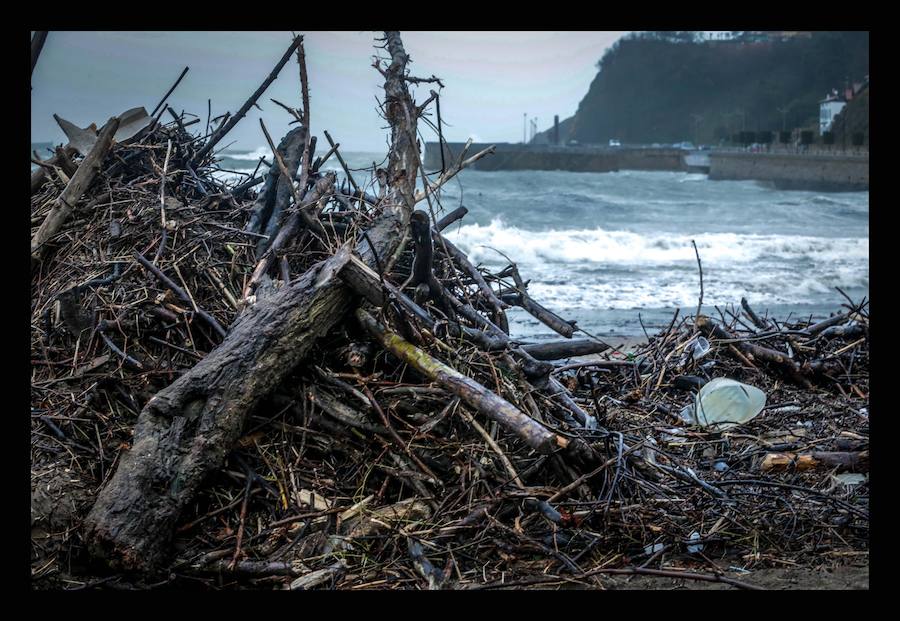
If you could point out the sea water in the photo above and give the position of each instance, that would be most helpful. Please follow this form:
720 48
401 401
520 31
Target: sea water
613 251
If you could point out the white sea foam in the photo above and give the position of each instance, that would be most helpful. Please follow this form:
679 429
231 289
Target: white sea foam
603 247
601 269
257 153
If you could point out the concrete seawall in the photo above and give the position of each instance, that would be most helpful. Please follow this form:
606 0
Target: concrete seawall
789 171
543 157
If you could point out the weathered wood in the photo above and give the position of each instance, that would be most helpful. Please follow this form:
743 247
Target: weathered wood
40 175
450 218
759 323
544 315
239 190
520 297
460 165
474 394
275 195
170 91
791 369
64 161
181 293
292 225
186 430
81 180
367 283
420 231
400 112
556 350
857 461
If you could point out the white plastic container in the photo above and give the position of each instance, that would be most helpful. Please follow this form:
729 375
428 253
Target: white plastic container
724 403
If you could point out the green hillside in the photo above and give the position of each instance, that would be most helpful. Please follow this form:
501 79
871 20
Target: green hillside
668 87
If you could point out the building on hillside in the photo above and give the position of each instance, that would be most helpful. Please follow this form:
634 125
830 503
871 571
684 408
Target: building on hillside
829 108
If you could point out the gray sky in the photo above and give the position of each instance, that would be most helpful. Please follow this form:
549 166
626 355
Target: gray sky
490 78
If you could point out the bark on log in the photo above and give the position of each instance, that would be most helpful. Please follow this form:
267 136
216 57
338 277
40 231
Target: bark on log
275 194
185 432
855 461
450 218
556 350
81 180
474 394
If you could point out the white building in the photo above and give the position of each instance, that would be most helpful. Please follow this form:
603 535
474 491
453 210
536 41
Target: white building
829 108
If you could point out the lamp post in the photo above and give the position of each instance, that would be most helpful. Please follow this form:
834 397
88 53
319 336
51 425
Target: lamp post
524 121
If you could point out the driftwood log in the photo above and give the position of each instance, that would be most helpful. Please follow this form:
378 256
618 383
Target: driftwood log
855 461
81 180
556 350
483 400
186 431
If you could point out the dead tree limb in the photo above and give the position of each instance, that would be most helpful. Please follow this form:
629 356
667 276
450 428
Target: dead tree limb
556 350
424 248
460 165
169 92
185 431
83 177
450 218
474 394
520 297
459 257
40 175
791 369
227 127
275 194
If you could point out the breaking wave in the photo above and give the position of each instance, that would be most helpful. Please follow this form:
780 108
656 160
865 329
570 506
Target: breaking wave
598 268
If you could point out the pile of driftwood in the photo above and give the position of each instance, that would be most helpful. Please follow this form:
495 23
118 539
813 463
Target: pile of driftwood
310 386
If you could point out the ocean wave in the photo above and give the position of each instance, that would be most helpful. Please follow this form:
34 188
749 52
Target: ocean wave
693 177
679 290
608 247
257 153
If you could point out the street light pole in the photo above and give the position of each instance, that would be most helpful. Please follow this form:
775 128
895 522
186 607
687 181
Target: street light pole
524 121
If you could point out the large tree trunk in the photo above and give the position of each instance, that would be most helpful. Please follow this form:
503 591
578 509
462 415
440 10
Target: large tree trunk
185 432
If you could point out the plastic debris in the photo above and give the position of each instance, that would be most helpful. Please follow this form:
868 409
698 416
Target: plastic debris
700 348
849 479
694 549
653 549
724 403
131 122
